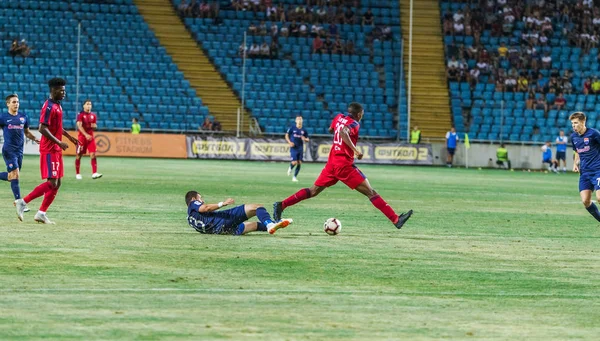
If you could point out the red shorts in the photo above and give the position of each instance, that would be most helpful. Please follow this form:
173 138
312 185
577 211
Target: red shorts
51 165
350 175
85 146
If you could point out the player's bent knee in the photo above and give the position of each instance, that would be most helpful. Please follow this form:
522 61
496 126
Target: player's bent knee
587 202
13 176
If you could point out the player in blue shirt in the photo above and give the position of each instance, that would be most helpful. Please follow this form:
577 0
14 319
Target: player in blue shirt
561 150
295 137
451 142
547 157
15 126
586 144
205 218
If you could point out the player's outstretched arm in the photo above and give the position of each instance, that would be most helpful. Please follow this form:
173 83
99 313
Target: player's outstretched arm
71 138
213 207
30 136
576 163
345 135
47 134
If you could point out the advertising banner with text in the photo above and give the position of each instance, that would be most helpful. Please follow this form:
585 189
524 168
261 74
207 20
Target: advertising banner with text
201 147
142 145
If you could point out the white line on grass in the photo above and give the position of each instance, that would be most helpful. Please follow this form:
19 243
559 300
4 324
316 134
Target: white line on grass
294 291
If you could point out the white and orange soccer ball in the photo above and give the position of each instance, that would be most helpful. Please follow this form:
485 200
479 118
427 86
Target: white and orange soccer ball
332 226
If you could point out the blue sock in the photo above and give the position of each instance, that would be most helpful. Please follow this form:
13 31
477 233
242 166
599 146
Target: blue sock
292 165
260 227
14 185
4 176
263 216
297 170
593 209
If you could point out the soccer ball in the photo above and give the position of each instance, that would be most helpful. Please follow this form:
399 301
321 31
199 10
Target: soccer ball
332 226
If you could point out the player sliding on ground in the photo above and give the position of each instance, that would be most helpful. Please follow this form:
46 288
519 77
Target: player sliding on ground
340 167
205 218
586 144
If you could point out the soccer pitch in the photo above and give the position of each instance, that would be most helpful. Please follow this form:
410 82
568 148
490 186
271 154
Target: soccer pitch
487 255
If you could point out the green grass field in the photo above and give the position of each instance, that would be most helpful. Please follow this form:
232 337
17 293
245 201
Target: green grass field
487 255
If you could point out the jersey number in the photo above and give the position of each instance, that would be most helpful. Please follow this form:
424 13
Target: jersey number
55 166
337 139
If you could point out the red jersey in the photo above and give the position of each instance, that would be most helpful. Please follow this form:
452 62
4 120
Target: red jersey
341 154
86 119
52 116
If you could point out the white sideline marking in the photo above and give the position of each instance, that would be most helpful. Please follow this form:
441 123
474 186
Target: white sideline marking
313 291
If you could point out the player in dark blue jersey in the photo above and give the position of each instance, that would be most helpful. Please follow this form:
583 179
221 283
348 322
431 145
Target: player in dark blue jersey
295 137
586 144
206 218
15 126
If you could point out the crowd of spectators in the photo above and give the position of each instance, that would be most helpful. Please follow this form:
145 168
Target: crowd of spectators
211 125
198 9
524 63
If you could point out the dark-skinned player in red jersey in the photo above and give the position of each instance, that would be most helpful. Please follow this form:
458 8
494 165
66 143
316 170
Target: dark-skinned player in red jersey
340 167
51 147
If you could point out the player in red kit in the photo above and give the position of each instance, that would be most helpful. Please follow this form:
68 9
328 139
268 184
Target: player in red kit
340 167
51 147
86 124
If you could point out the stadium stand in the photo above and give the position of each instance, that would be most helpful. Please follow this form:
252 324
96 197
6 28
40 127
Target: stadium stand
123 69
297 81
509 64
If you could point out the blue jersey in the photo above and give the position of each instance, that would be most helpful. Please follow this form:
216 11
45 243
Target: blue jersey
217 222
13 128
588 148
452 140
295 134
561 147
547 155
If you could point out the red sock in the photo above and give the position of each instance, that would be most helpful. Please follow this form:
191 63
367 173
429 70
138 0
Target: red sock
383 206
48 199
296 198
94 165
77 165
38 192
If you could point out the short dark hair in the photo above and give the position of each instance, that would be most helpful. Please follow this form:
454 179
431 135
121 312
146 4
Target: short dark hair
8 98
87 100
355 108
190 196
56 82
577 115
502 145
135 119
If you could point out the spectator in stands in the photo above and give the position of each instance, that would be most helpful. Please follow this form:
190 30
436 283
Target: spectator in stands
587 86
567 86
204 10
254 51
349 16
559 102
285 30
274 49
237 5
349 49
207 124
530 102
474 77
215 9
510 83
262 28
338 47
195 8
333 30
596 85
294 29
303 30
448 27
315 30
283 17
541 103
452 63
216 126
271 13
502 51
256 6
135 126
328 46
547 60
321 14
19 49
317 46
522 83
299 13
183 8
274 30
252 29
265 50
242 50
386 32
368 18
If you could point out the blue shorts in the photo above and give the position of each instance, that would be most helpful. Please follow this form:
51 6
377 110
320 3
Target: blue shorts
547 161
13 160
451 151
561 156
297 155
589 181
229 221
